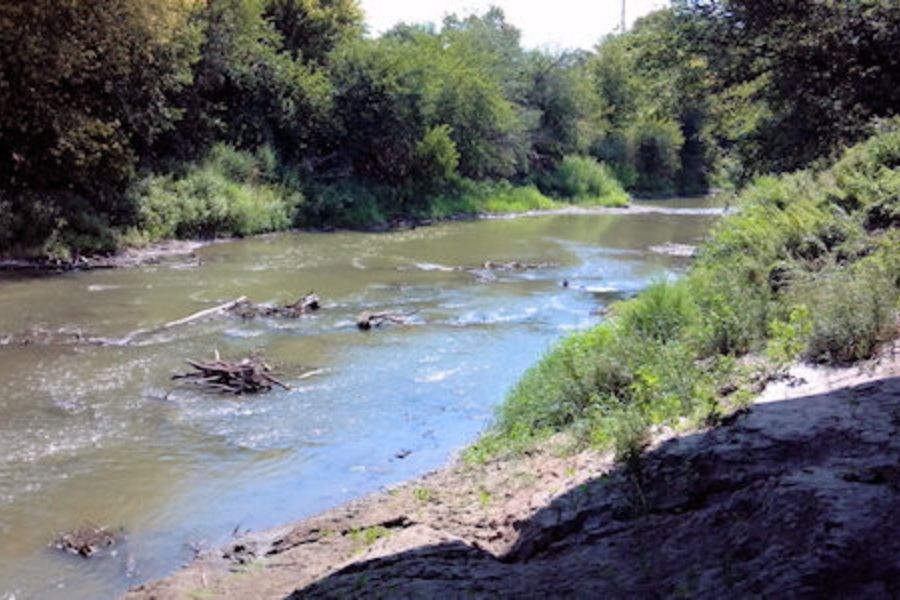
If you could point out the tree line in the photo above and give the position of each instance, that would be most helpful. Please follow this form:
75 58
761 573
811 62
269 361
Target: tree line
129 120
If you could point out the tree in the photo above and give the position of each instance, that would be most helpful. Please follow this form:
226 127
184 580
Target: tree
311 29
85 89
822 69
246 90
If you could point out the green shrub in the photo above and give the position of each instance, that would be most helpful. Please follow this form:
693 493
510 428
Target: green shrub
654 151
853 309
436 158
660 312
498 197
788 339
52 225
557 391
240 167
868 173
583 180
224 196
612 150
733 304
506 198
346 203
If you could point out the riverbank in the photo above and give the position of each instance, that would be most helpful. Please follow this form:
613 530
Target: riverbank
807 270
237 195
553 521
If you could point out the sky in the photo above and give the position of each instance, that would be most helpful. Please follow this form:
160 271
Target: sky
554 24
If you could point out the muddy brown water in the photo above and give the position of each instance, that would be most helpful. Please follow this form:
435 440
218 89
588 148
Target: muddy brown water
93 434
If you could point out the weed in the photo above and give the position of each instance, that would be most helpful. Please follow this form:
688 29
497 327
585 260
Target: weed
365 537
787 340
423 495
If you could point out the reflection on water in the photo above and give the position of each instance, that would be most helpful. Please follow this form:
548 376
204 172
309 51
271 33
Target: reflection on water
92 433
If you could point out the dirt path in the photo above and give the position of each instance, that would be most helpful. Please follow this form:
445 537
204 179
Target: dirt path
799 496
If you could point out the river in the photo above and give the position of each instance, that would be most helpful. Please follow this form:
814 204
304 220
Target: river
91 433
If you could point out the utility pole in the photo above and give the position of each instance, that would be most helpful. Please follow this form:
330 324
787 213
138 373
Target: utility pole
624 22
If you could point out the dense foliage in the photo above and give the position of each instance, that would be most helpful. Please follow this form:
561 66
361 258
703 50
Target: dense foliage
810 267
113 114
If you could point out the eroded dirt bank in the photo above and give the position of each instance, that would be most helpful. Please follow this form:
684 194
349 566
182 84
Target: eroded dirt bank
799 496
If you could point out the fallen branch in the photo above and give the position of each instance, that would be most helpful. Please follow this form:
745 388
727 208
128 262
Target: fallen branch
204 313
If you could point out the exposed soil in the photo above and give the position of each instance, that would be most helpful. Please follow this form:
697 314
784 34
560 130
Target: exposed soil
129 257
798 496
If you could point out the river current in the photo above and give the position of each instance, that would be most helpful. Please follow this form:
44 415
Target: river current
92 433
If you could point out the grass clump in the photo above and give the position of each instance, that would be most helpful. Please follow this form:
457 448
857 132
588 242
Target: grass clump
365 537
798 272
853 310
466 196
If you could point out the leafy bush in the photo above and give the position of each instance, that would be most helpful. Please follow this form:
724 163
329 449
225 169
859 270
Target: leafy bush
655 146
733 303
582 180
852 312
612 150
223 196
788 339
660 313
436 158
346 203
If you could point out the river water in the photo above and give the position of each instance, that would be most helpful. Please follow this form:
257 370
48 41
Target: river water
89 434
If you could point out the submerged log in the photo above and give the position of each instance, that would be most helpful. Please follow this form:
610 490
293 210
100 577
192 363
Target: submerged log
87 540
249 376
304 306
486 272
514 265
367 320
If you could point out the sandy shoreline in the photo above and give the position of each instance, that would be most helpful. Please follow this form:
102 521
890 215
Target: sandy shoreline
477 524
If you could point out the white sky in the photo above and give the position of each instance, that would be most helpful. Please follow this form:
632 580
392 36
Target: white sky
553 24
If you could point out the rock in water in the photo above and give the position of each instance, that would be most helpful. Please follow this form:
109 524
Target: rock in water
87 540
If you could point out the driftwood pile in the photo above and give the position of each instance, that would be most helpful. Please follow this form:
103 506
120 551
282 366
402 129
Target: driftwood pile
249 376
304 306
87 540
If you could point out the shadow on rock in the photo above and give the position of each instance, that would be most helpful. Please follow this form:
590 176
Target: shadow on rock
799 498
